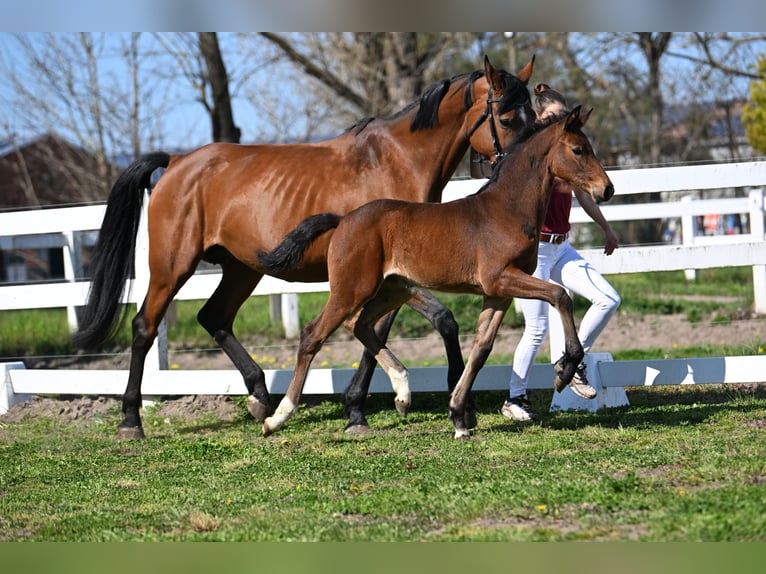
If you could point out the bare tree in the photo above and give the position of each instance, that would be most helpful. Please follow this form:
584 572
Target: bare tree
85 91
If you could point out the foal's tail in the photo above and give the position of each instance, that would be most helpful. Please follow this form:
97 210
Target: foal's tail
288 254
112 260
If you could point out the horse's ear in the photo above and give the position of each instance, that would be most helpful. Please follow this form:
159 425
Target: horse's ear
584 117
526 72
573 121
493 78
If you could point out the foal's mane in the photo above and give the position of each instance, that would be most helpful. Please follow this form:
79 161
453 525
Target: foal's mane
524 135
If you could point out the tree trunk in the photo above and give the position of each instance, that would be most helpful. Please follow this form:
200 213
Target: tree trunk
221 113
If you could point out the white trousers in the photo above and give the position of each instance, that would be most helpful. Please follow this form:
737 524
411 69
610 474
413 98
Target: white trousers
561 264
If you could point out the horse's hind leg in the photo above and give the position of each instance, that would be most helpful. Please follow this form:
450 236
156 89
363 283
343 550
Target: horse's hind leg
391 296
355 396
217 317
314 334
145 327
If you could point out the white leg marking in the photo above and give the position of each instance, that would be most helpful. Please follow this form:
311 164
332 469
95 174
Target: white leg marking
284 411
400 381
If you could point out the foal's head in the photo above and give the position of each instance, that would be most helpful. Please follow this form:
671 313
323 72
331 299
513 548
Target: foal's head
571 157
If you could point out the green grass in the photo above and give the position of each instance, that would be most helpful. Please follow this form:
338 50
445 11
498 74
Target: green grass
678 464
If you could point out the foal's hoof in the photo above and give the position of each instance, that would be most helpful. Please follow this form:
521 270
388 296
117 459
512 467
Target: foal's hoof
357 429
131 433
559 383
257 409
266 429
462 434
402 407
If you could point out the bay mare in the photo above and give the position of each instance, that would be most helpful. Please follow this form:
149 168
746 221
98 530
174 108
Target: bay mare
224 202
484 244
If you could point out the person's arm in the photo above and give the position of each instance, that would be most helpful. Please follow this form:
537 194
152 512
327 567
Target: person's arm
594 212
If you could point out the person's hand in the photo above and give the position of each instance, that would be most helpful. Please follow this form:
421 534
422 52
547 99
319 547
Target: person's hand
611 242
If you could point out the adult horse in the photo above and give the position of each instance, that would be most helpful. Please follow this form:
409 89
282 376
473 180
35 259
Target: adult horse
225 202
484 244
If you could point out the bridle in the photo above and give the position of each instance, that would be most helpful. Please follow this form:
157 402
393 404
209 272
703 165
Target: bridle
489 115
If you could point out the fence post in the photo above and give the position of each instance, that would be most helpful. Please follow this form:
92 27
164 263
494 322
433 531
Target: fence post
757 232
8 397
688 231
70 274
290 319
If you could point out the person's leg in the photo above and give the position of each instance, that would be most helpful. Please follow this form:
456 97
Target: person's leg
576 274
535 329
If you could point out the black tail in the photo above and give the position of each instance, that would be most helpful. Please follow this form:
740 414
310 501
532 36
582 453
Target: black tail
112 260
288 254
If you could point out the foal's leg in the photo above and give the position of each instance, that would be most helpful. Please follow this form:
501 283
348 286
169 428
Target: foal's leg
217 317
443 321
516 283
344 301
490 318
355 396
390 297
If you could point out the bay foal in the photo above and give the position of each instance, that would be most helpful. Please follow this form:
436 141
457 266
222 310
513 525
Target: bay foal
486 244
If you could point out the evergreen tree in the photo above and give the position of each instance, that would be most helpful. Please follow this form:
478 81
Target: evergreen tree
754 112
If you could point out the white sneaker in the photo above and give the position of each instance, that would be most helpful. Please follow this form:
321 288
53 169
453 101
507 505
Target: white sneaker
580 385
517 409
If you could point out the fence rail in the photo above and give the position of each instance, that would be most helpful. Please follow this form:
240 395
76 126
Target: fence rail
695 252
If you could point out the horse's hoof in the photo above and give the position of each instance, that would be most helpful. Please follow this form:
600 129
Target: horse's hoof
131 433
462 434
559 383
402 407
357 429
469 419
257 409
266 429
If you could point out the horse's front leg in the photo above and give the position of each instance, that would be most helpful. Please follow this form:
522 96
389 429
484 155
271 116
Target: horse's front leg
566 366
490 318
516 283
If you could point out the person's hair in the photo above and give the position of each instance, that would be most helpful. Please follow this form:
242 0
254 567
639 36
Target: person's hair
545 96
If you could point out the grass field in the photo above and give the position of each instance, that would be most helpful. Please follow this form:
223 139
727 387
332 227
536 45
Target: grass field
678 464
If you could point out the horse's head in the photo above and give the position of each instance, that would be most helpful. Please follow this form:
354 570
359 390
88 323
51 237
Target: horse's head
499 112
572 159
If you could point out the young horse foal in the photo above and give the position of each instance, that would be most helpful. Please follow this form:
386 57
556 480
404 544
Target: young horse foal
485 244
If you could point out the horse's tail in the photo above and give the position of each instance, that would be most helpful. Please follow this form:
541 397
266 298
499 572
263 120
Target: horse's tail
288 254
112 259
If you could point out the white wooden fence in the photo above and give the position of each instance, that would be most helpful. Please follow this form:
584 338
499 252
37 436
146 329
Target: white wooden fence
694 253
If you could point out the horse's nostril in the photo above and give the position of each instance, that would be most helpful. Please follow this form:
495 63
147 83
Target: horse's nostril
608 192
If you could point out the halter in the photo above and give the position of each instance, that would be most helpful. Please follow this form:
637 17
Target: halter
488 114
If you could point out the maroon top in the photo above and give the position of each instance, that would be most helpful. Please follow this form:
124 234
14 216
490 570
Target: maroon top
559 206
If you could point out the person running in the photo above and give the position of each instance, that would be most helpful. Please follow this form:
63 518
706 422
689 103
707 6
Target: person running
558 261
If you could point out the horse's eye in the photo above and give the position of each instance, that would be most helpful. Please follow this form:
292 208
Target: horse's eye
577 150
506 123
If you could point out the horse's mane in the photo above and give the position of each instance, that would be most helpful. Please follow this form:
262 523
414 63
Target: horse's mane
427 115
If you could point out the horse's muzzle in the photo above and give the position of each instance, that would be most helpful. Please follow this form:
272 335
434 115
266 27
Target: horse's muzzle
608 192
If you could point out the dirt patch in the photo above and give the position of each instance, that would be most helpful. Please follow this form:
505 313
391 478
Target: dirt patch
623 332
